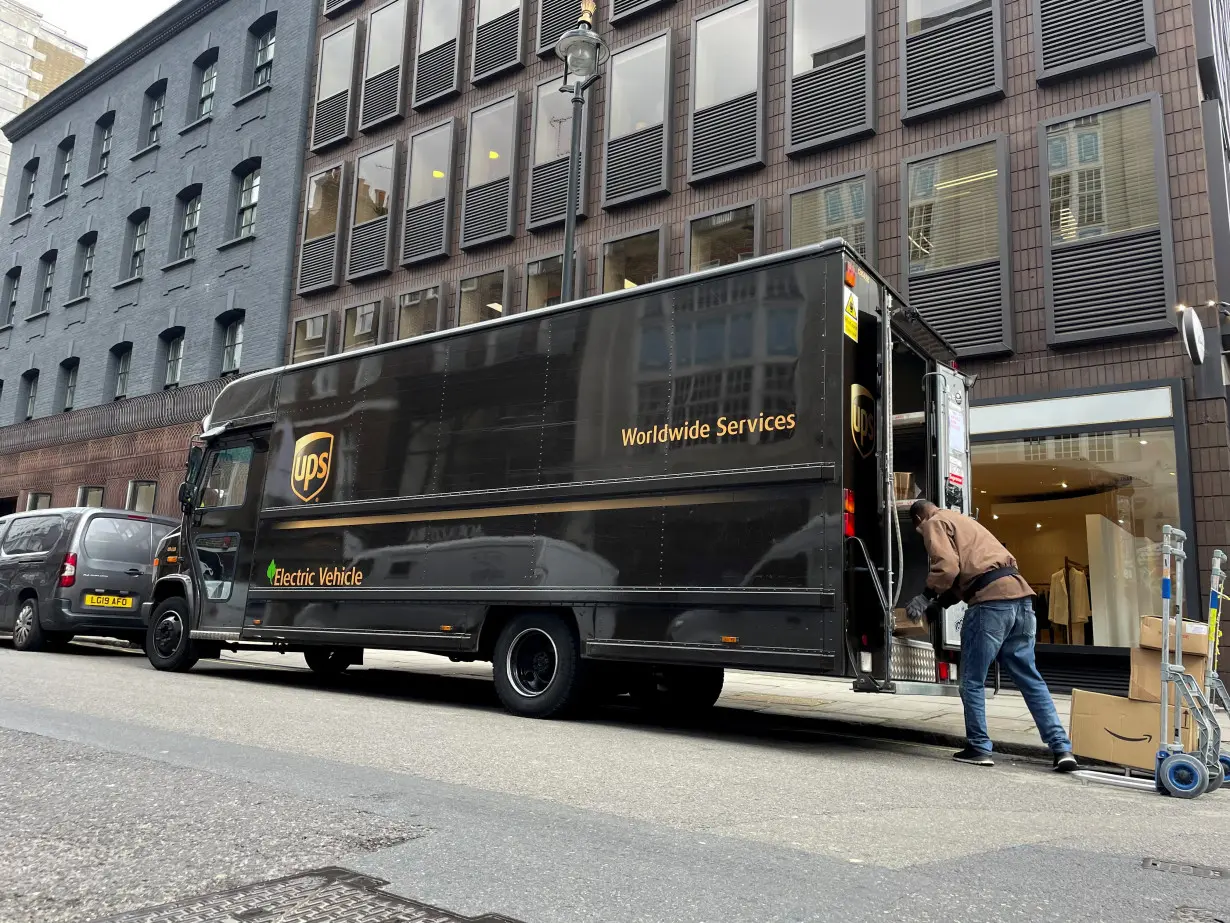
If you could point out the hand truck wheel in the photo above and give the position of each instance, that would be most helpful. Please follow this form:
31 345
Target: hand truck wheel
1217 776
1183 776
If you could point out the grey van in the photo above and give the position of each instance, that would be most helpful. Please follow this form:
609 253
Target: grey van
78 571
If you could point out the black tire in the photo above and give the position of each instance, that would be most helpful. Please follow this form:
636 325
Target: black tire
28 634
538 668
328 661
168 643
679 690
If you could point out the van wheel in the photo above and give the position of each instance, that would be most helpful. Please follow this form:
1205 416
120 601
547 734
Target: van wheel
168 644
679 690
28 634
538 669
327 661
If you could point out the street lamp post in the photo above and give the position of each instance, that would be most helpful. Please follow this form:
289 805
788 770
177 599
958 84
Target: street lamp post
583 53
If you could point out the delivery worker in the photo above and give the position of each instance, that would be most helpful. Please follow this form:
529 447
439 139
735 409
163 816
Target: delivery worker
968 563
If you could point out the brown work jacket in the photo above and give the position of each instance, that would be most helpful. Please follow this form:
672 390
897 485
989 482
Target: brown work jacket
959 549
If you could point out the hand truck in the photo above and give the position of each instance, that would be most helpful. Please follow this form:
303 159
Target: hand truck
1214 688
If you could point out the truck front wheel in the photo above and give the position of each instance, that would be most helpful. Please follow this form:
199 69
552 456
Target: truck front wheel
538 667
168 644
328 661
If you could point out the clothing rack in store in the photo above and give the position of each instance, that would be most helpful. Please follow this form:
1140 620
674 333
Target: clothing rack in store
1068 566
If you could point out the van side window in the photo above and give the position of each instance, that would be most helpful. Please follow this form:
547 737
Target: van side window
122 540
227 481
33 535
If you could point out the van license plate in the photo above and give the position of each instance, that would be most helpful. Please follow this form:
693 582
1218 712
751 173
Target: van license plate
108 602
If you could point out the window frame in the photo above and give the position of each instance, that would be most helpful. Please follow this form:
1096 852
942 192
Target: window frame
643 7
349 128
1003 196
762 62
83 492
758 232
328 336
232 349
174 355
136 241
253 208
1164 216
11 297
1143 50
33 501
477 79
104 141
27 398
67 395
389 218
201 67
586 134
867 128
378 319
130 498
453 124
339 247
965 100
87 256
668 121
441 309
44 294
663 232
580 270
513 173
63 167
123 372
869 184
267 25
506 294
184 211
458 56
400 109
28 190
154 115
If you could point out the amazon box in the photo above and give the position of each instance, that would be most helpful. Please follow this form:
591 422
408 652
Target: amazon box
904 628
1146 685
1195 636
1120 731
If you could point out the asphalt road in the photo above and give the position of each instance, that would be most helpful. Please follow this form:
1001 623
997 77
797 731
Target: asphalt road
122 788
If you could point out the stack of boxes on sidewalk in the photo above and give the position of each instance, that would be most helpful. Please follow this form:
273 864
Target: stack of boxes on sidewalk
1125 731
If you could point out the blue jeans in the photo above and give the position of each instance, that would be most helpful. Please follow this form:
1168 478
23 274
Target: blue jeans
1004 630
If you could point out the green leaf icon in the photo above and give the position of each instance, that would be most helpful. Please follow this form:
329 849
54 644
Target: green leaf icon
272 571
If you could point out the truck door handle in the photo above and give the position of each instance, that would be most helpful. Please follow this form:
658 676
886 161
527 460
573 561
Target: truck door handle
134 572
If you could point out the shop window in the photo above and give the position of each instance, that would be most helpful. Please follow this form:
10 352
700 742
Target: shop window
311 338
637 162
429 196
487 212
830 97
952 54
437 62
841 209
382 69
90 497
362 327
723 238
371 231
318 264
728 88
1107 246
632 261
1075 36
552 147
331 122
957 245
497 38
482 298
418 312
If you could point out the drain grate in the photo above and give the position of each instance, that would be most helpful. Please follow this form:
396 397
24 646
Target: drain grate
321 896
1185 868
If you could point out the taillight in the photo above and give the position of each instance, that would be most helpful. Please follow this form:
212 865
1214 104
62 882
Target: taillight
847 513
68 573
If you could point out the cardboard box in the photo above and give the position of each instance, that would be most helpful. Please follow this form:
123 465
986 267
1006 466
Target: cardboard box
1146 684
1119 731
1195 635
904 628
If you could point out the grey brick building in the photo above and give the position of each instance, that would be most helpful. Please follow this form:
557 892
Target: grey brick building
1045 179
147 248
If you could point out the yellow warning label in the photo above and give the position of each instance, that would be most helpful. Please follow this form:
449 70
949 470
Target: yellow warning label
851 315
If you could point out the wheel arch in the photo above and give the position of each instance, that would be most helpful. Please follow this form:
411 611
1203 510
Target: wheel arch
497 617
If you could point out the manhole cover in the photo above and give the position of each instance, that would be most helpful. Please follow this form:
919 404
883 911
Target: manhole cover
322 896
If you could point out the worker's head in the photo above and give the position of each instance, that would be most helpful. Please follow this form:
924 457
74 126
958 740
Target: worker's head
921 511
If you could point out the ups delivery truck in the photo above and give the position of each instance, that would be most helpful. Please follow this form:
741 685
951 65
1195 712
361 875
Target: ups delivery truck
621 495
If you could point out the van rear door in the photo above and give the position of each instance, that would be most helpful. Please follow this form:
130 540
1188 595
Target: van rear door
114 566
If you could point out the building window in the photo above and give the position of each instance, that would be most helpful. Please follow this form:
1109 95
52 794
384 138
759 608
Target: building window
65 170
481 298
206 83
371 231
175 361
382 70
29 401
951 54
832 75
38 501
552 142
833 210
927 14
123 362
232 347
12 286
70 386
138 230
318 264
262 62
544 281
103 129
418 312
638 105
429 184
1073 36
90 497
337 63
487 212
47 270
362 327
497 37
29 180
249 198
85 276
631 261
155 104
188 227
721 239
726 86
141 496
311 341
437 59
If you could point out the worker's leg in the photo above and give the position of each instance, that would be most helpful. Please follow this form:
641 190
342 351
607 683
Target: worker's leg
1017 656
983 630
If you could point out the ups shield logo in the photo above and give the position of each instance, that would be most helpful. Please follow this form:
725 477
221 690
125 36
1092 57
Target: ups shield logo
863 420
311 466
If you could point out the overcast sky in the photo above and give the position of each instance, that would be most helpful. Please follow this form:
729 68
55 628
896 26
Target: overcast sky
99 24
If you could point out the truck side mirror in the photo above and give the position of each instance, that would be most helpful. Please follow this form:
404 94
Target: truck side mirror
186 498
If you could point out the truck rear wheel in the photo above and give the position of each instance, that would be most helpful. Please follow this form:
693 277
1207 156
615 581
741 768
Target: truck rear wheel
678 690
168 643
327 661
538 668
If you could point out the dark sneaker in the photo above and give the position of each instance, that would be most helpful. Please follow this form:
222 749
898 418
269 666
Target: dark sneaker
974 757
1065 762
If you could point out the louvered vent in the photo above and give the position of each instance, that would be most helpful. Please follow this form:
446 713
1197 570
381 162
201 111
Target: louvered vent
964 306
829 102
486 213
319 264
369 247
724 136
624 8
1077 30
635 165
549 192
381 97
1100 287
331 118
436 73
425 230
496 44
333 7
950 61
557 17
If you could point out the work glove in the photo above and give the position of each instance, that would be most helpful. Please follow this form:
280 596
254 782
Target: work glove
916 608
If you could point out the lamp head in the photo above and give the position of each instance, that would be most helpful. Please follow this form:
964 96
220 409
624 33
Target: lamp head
580 48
